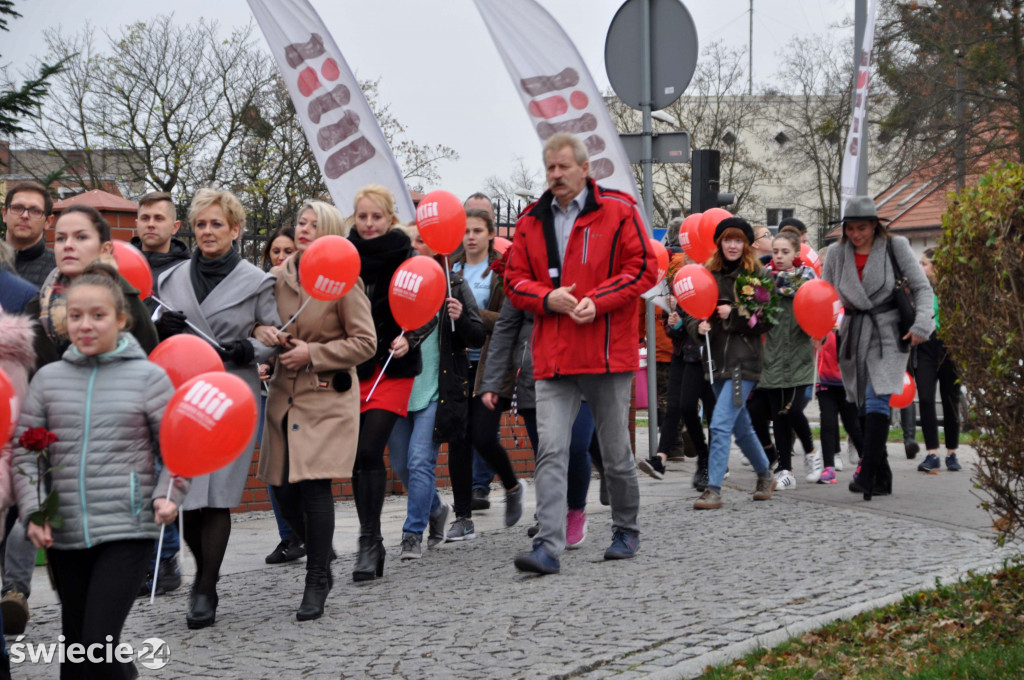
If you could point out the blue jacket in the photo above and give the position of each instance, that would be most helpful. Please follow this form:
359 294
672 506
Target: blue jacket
15 292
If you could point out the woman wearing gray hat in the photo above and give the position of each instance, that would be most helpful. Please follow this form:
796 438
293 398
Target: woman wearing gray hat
864 267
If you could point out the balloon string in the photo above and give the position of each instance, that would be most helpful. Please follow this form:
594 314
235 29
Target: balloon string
711 371
295 315
448 280
381 375
188 323
160 546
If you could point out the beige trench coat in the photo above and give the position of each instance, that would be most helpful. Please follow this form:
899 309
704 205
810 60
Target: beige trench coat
323 424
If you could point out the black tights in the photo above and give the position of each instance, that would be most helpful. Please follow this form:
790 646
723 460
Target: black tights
207 531
686 386
375 428
760 410
787 408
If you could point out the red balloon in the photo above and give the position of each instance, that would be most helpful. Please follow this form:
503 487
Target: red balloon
133 266
661 254
906 397
329 267
441 219
810 257
8 407
501 244
418 288
689 239
816 307
184 357
207 424
708 223
696 291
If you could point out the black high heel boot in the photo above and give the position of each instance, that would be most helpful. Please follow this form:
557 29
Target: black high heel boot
874 464
319 535
202 610
369 496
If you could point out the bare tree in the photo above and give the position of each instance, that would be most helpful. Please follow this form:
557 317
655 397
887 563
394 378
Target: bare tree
521 183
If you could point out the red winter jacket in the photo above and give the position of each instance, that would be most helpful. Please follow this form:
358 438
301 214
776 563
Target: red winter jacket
610 260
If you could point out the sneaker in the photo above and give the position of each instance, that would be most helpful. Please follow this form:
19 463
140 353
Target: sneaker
911 448
851 453
603 492
709 500
813 466
575 528
533 531
838 462
952 464
654 466
14 611
435 527
462 530
287 550
785 481
765 487
828 476
624 545
930 464
514 503
480 499
856 474
411 548
537 561
169 577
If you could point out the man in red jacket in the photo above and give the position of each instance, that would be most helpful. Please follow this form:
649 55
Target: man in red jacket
579 261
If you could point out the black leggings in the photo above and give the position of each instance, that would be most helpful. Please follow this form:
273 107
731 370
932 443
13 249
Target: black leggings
787 404
483 426
759 409
935 365
97 588
687 386
207 531
833 405
375 428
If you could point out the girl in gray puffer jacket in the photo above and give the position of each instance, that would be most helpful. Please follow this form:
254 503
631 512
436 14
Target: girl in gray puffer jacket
104 402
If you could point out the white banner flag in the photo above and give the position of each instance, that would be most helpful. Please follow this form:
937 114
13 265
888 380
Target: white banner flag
859 122
342 131
556 88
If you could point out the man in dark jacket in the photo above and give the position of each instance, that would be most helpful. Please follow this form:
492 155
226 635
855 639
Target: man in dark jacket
28 213
155 229
579 262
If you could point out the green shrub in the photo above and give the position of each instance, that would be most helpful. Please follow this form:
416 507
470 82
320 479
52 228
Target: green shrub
980 263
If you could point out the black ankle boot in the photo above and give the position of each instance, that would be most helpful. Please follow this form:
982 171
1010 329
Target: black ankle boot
318 585
202 610
319 580
700 476
369 497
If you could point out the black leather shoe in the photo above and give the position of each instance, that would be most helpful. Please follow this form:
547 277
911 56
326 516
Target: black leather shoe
286 551
314 597
369 560
202 612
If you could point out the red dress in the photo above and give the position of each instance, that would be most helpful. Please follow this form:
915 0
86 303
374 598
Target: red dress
392 394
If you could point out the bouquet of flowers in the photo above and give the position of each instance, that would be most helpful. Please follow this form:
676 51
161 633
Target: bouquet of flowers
37 440
756 298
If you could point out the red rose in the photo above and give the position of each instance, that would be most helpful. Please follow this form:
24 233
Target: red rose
37 439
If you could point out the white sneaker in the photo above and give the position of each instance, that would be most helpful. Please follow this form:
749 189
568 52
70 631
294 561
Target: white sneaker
851 453
838 462
813 467
785 481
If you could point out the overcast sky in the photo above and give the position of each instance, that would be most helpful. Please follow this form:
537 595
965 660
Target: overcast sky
438 67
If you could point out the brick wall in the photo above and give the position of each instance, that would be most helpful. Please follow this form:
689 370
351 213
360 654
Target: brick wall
513 438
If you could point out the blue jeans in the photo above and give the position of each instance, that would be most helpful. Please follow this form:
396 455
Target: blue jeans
483 475
579 458
875 403
413 455
728 421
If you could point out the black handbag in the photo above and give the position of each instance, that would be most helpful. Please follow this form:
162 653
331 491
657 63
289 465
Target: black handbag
903 297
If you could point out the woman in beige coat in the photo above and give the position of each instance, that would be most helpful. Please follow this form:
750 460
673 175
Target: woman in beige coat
312 411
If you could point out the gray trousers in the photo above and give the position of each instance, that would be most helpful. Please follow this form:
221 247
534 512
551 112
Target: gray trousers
19 560
558 402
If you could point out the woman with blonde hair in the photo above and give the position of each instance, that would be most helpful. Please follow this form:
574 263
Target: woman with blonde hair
313 406
225 297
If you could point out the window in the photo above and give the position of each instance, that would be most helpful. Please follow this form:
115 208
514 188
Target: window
776 215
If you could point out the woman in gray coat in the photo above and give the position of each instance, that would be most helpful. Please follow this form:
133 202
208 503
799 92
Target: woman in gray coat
872 351
225 297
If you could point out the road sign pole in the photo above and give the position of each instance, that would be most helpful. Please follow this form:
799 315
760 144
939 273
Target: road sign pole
647 163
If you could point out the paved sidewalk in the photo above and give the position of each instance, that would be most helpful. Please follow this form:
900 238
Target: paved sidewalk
705 587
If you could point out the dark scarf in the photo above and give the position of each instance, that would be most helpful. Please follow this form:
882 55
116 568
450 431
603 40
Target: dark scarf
380 258
206 273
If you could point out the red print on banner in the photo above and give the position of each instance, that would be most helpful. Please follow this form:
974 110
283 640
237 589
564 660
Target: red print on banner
329 134
554 112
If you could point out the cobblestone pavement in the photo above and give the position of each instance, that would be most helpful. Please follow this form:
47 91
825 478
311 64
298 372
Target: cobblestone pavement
705 587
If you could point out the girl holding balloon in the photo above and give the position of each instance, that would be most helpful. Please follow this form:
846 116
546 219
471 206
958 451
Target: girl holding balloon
736 357
104 402
313 404
789 365
382 248
81 237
